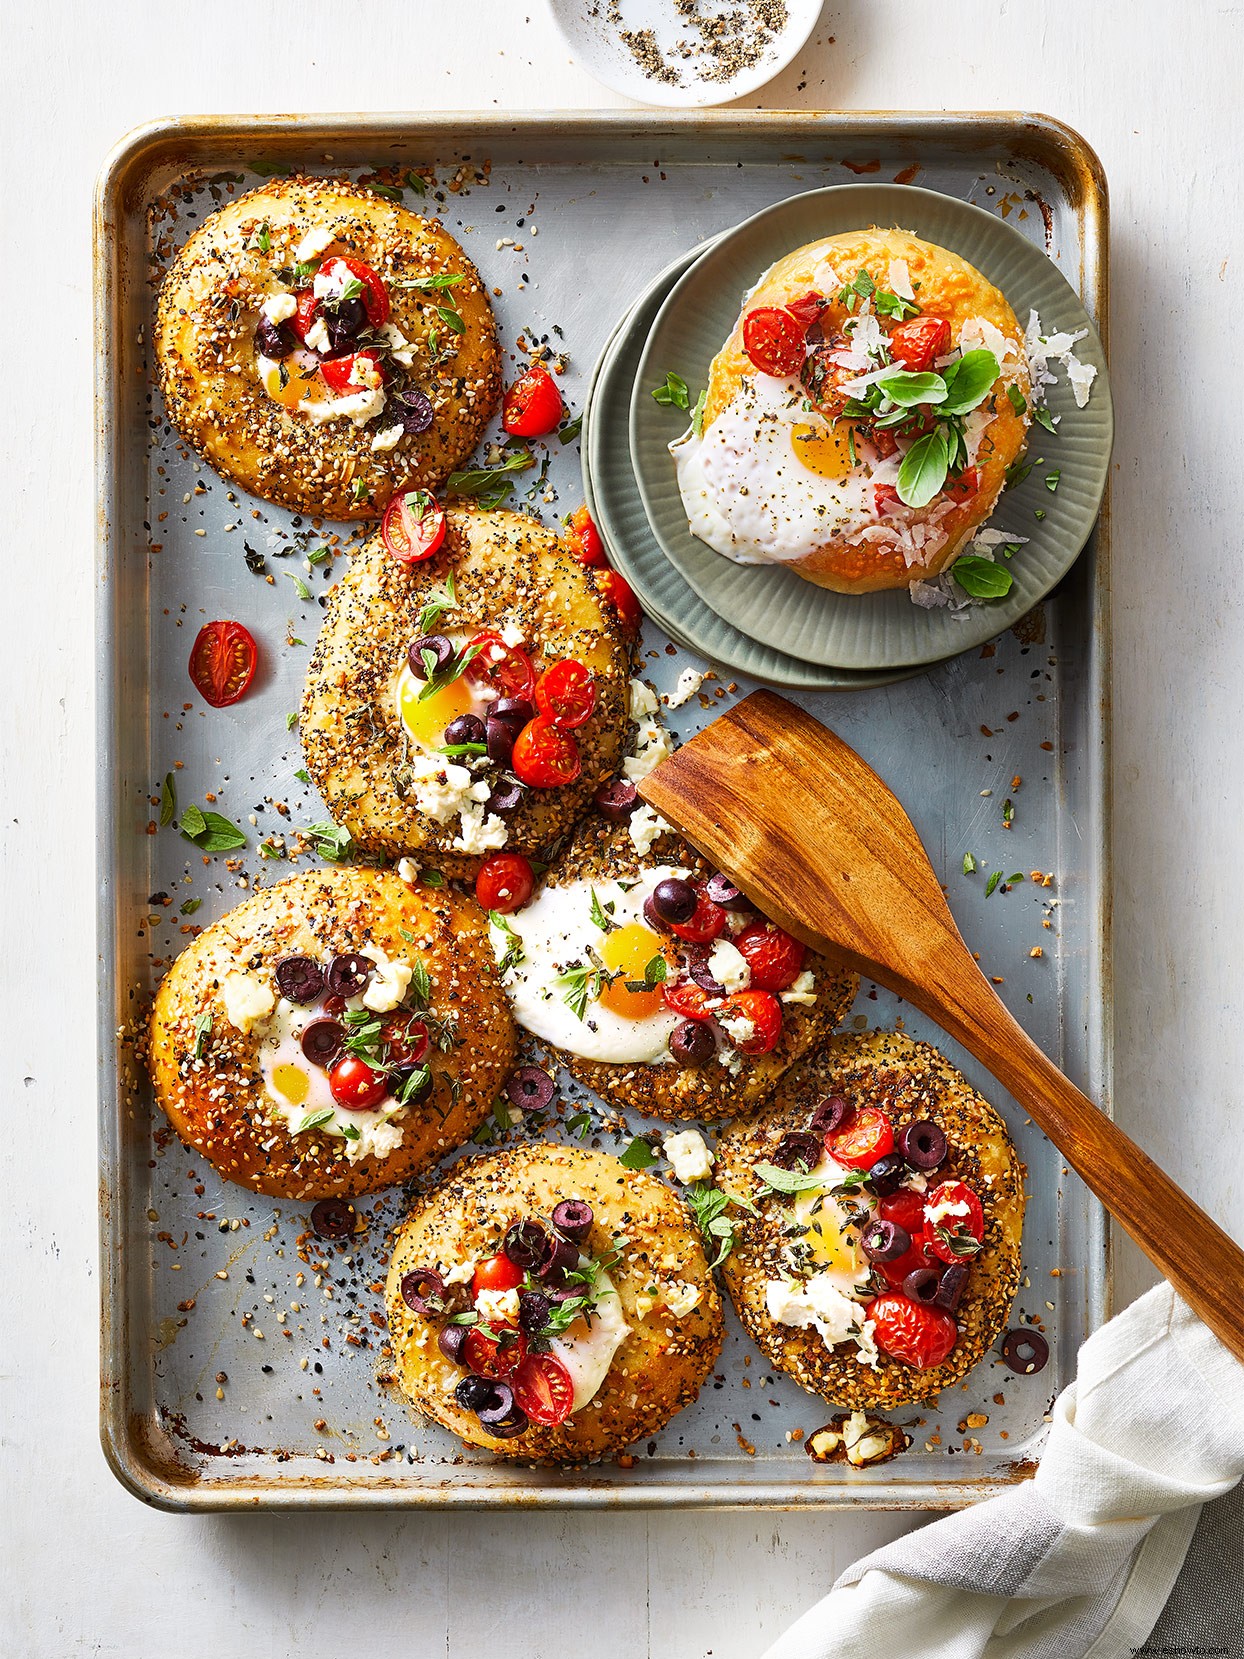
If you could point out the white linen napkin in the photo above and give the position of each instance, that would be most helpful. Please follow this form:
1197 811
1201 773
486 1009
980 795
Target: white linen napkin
1081 1559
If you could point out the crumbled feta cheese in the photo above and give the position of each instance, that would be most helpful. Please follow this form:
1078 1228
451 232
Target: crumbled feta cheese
389 438
441 787
511 634
861 1443
821 1303
330 279
313 244
461 1273
248 1001
935 1214
358 409
277 308
681 1298
480 832
737 1027
652 747
399 346
689 1155
643 701
646 826
408 870
728 966
731 1059
498 1304
316 338
363 372
801 990
689 682
376 1140
389 982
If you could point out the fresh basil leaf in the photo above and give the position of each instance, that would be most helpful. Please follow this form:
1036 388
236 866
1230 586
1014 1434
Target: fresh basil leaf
1017 400
969 381
1051 480
455 749
923 470
569 431
494 483
673 392
907 389
993 881
210 832
656 971
303 775
789 1180
638 1155
331 841
969 864
1041 414
982 578
168 801
452 319
313 1120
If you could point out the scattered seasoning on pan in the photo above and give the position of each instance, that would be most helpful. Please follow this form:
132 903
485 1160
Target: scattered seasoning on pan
723 40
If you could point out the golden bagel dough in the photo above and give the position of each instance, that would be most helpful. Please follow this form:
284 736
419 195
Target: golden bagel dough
208 309
506 568
219 1106
600 852
945 286
659 1367
911 1082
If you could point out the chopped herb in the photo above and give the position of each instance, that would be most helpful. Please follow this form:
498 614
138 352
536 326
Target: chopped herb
452 319
982 578
602 915
291 720
788 1180
709 1205
569 430
390 192
202 1031
993 881
168 800
1008 811
585 984
209 831
1042 414
303 775
453 750
1039 514
420 983
269 849
350 1132
358 489
655 971
638 1155
697 414
673 391
1051 479
300 587
1016 398
1016 473
491 485
442 600
514 953
441 279
969 864
960 1243
263 239
580 1125
447 676
269 169
412 1085
313 1120
189 906
894 305
255 561
416 184
432 878
1012 881
332 842
319 556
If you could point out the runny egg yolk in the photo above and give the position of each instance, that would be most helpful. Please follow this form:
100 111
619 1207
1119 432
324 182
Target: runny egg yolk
831 1246
824 450
291 1082
298 387
627 951
426 720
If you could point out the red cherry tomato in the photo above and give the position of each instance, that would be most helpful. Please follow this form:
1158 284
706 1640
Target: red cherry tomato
708 922
499 1355
584 539
918 1335
965 1228
915 344
533 406
544 757
504 883
222 662
543 1389
356 1086
907 1209
496 1273
688 999
866 1136
413 526
338 372
765 1013
773 339
808 308
505 669
776 960
407 1039
619 590
375 295
886 498
308 305
566 692
964 487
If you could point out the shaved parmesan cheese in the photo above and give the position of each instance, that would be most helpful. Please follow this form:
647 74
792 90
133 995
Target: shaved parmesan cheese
979 332
900 279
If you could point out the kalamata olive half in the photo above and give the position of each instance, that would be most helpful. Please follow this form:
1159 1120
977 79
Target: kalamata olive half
573 1219
321 1042
884 1241
300 979
923 1145
886 1175
449 1340
560 1257
655 922
401 1088
533 1310
701 973
530 1089
617 800
423 1291
799 1147
830 1115
921 1284
344 320
526 1244
500 1415
516 711
1025 1351
723 892
332 1218
500 737
506 795
692 1044
441 654
274 340
467 728
473 1392
950 1287
348 973
674 899
414 410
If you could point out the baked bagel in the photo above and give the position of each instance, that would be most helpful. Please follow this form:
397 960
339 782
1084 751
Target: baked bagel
372 736
804 458
336 1033
581 965
798 1275
573 1388
326 348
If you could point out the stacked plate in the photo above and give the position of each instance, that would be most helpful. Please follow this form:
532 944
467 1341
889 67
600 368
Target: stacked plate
766 621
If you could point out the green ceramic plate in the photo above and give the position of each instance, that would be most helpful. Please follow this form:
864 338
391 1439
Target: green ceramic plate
879 630
613 500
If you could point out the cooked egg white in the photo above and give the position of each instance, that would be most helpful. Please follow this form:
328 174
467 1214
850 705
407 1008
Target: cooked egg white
425 718
587 1350
300 1091
555 934
832 1248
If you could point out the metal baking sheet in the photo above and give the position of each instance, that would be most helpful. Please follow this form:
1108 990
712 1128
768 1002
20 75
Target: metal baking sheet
242 1368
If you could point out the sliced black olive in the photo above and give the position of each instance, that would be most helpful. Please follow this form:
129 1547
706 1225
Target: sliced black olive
474 1392
530 1089
321 1042
884 1241
723 892
573 1219
922 1284
923 1145
830 1115
1025 1351
799 1147
617 800
348 973
414 410
467 728
526 1244
441 650
423 1291
450 1339
274 340
332 1218
300 979
950 1287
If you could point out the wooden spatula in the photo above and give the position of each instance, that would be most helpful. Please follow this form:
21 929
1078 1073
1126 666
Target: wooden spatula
813 836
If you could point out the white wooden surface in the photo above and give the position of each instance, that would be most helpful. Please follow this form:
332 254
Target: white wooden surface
1155 88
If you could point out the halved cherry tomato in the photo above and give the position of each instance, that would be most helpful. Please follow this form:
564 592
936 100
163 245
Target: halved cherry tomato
808 308
566 692
707 922
776 960
773 339
413 526
407 1039
497 1356
966 1230
222 662
375 295
356 1086
496 1273
620 591
907 1209
308 305
544 757
886 498
533 405
918 1335
505 669
504 883
964 486
765 1013
584 539
338 372
543 1389
917 343
688 999
866 1136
